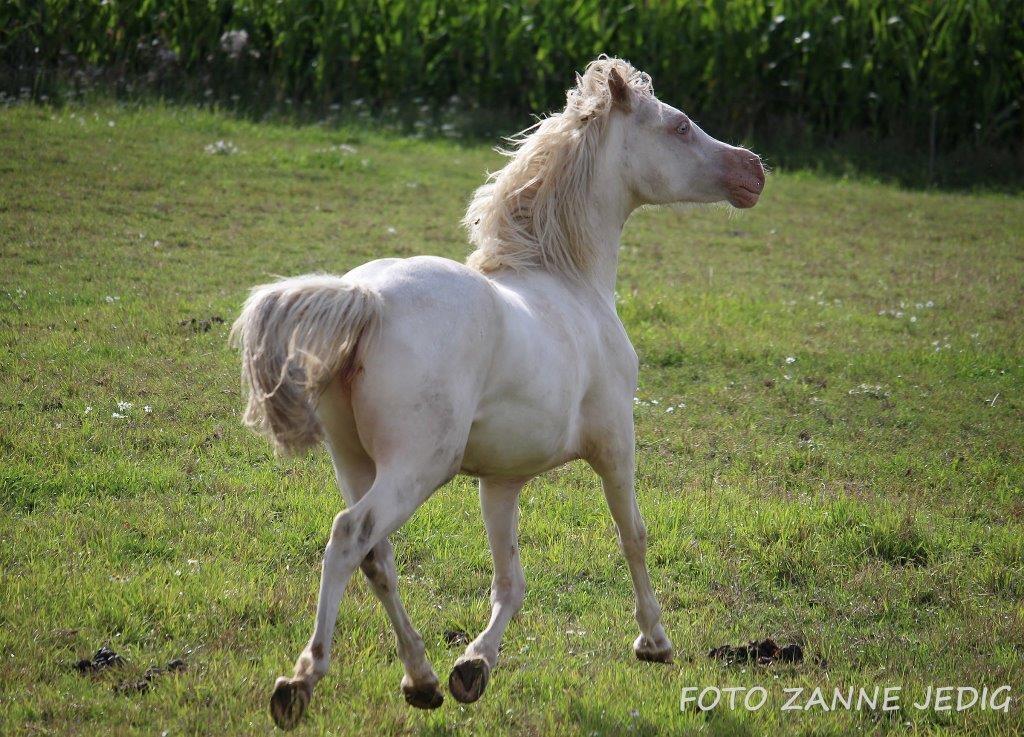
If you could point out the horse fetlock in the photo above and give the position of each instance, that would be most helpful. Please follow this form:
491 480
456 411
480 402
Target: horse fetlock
648 616
312 664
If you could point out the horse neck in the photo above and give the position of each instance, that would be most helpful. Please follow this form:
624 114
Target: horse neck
610 206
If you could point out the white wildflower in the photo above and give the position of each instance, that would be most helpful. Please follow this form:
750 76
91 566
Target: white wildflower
790 359
872 390
221 148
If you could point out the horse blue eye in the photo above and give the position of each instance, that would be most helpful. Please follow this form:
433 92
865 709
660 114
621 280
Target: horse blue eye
683 128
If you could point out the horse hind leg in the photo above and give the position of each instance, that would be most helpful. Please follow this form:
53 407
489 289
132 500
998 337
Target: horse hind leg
420 684
403 481
355 472
356 532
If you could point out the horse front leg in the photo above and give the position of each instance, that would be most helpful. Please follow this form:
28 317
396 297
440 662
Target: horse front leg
617 476
499 501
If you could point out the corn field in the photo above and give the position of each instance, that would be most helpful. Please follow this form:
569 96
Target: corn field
940 73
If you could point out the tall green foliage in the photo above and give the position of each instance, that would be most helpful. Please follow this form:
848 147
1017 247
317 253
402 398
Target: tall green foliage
949 70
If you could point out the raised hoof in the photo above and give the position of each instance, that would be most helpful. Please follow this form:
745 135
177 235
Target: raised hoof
469 679
649 652
288 702
423 698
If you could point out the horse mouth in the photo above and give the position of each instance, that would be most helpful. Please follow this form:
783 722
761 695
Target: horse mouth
743 197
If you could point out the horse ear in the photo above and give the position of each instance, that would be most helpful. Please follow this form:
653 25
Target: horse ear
622 95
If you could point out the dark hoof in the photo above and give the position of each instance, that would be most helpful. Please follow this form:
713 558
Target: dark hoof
653 656
289 702
423 698
650 652
469 679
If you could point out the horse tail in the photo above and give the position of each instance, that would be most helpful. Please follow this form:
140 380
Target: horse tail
296 335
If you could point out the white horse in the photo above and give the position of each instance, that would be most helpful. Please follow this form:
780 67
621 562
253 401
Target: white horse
415 370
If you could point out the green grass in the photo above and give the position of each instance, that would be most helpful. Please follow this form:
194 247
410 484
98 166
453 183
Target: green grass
864 499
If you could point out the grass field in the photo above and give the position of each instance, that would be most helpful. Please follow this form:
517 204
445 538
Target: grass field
841 466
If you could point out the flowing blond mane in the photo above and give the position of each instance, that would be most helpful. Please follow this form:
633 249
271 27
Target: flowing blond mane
532 213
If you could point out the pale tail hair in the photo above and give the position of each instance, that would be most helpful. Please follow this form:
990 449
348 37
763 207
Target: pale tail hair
532 212
296 335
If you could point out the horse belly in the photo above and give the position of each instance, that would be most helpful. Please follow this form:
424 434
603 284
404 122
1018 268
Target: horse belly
519 439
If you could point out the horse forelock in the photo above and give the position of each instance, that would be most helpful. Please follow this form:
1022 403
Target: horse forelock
533 212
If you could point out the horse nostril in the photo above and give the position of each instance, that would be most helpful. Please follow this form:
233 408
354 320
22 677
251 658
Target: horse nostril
758 170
